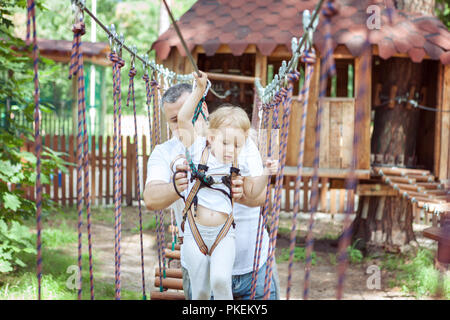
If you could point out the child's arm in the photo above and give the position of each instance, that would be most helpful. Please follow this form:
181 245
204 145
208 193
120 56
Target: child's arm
253 186
186 113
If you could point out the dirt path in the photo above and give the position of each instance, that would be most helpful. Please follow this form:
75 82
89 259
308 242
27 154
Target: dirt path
323 274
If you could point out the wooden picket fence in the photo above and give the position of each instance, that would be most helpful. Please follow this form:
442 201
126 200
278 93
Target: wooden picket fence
62 188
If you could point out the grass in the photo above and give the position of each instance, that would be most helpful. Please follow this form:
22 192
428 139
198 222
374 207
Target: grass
58 254
415 274
299 255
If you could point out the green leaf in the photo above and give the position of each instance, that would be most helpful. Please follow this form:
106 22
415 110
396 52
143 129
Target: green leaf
11 201
5 266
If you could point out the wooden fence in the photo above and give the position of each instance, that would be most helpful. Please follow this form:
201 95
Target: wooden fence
62 188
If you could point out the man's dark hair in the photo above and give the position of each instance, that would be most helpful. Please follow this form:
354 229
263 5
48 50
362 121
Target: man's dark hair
175 92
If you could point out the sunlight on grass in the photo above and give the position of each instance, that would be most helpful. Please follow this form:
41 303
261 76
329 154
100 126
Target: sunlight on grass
59 253
416 274
299 255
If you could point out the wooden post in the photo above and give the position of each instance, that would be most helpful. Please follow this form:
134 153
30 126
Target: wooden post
55 173
108 169
323 195
63 175
129 169
364 101
100 169
71 169
261 67
93 164
445 126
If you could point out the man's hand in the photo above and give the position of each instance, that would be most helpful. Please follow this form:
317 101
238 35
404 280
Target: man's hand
181 180
237 187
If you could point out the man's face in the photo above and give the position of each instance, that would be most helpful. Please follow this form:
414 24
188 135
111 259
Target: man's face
171 112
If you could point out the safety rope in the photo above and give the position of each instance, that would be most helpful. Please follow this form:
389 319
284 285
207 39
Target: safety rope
31 22
271 127
309 58
292 77
328 70
117 64
132 73
77 68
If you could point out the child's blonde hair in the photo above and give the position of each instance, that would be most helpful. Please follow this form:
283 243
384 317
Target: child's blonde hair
229 116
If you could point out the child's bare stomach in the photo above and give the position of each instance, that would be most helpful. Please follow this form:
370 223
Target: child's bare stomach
210 218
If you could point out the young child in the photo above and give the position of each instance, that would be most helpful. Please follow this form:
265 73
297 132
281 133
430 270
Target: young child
224 139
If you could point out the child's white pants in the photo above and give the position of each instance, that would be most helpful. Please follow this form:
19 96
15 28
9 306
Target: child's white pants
209 273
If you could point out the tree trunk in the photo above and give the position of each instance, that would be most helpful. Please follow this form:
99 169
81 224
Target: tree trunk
383 222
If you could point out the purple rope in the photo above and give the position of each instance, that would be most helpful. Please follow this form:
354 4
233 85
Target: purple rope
76 68
309 59
293 76
116 90
31 18
132 74
328 69
274 106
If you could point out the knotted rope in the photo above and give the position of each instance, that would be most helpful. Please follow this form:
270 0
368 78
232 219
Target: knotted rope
328 70
274 105
31 20
118 63
309 58
132 73
292 77
77 69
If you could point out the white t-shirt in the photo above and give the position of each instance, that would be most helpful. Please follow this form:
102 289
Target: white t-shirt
208 197
246 218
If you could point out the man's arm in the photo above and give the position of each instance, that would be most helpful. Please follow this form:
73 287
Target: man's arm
159 195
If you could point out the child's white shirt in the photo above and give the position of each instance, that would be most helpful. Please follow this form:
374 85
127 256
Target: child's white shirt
214 199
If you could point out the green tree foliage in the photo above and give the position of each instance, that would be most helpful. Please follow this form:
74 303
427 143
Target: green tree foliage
443 11
17 167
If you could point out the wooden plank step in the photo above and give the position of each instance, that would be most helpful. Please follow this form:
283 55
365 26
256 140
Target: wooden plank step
438 192
420 178
172 254
394 171
415 194
170 273
170 283
167 295
396 179
405 187
430 185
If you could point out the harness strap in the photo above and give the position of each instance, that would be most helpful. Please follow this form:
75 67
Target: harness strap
187 212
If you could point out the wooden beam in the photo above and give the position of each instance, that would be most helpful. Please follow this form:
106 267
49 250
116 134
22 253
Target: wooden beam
261 68
362 78
230 77
327 172
378 190
445 126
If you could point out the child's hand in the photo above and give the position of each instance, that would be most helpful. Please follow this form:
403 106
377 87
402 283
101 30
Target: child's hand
201 82
271 167
237 189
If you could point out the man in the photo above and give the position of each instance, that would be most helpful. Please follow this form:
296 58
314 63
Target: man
159 193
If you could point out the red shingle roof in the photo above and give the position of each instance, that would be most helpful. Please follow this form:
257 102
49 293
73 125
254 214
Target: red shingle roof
268 23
